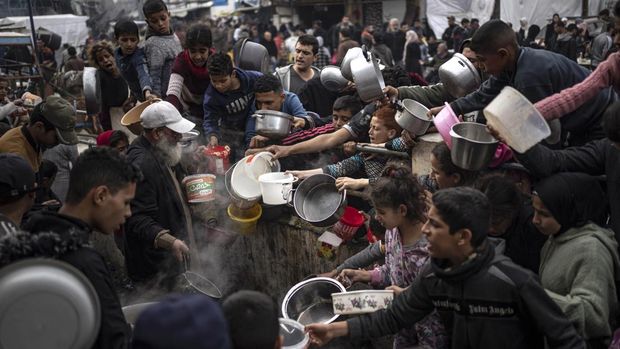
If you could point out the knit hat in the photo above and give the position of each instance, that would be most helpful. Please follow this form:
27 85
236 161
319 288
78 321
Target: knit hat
16 177
182 321
60 113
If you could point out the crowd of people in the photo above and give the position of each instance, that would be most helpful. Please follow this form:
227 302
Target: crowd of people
521 254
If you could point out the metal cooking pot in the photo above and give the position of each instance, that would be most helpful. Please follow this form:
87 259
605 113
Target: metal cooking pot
368 78
472 146
253 56
47 303
412 117
345 66
310 301
459 76
91 90
273 124
317 200
332 78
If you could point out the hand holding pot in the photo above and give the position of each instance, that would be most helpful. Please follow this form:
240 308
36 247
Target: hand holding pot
407 139
355 275
343 183
434 111
330 274
258 141
179 249
321 334
391 94
349 148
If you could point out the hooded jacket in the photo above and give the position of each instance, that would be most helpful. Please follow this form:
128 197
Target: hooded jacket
486 302
65 238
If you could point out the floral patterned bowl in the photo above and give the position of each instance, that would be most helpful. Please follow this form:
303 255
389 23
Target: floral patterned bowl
361 302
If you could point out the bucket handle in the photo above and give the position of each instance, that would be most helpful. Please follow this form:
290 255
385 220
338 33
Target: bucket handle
285 192
288 197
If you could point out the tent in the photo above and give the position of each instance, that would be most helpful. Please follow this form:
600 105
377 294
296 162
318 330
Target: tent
71 28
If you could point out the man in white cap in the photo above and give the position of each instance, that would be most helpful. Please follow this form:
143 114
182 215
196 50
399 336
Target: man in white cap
161 221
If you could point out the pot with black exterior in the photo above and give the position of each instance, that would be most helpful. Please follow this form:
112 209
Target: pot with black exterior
412 116
273 124
253 56
91 90
473 146
459 76
368 78
317 200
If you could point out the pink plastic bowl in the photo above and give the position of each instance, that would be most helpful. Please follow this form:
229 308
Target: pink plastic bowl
444 121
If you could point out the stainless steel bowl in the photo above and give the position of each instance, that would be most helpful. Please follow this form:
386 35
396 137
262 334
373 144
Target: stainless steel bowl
472 146
332 78
413 117
459 76
368 78
273 124
253 56
318 201
310 301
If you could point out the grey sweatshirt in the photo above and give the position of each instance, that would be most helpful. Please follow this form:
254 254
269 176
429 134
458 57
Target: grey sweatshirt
161 51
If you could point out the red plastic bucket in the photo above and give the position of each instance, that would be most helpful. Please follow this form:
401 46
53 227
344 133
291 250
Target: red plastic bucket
349 223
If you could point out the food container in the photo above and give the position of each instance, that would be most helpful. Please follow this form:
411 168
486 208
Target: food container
368 78
473 147
444 120
413 117
273 124
244 220
199 188
332 79
237 201
310 301
328 244
349 223
253 56
293 334
244 179
361 302
459 76
317 200
217 159
345 66
275 187
516 119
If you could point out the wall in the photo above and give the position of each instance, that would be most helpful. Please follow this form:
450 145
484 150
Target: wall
393 9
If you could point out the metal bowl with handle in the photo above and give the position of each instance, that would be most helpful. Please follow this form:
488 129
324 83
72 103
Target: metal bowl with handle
368 78
412 116
345 66
318 201
310 301
459 76
473 146
46 303
253 56
273 124
332 79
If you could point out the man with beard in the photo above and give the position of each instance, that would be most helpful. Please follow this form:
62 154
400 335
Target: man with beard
161 218
294 76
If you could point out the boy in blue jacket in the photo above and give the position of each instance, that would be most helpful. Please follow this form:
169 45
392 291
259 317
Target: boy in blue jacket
131 60
229 104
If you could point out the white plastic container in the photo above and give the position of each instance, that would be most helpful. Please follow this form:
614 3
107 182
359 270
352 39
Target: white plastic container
516 119
275 187
293 333
244 179
361 302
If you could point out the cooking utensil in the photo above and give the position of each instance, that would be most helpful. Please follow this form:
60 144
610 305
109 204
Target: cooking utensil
47 303
345 66
368 78
200 283
412 116
275 187
92 90
332 78
364 148
516 119
317 200
310 301
253 56
472 146
273 124
459 76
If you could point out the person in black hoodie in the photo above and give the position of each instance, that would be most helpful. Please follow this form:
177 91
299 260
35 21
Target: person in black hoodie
484 300
101 187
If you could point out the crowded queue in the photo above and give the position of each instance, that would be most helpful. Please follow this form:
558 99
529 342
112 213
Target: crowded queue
522 253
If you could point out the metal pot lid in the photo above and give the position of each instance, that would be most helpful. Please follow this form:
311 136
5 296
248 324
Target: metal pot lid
267 112
46 303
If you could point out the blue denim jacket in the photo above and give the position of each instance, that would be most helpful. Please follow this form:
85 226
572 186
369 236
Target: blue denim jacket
134 70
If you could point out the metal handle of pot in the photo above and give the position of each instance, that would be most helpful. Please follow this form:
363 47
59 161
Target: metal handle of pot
381 151
398 105
365 53
258 116
289 197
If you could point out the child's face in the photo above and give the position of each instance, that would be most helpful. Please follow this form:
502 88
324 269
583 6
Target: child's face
106 61
493 63
159 21
378 132
199 54
127 43
441 244
222 83
4 89
390 217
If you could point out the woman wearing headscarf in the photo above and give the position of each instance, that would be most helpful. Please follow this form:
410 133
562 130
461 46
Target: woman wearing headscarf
579 262
530 39
412 53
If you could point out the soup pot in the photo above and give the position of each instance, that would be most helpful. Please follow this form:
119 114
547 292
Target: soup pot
345 66
317 200
273 124
253 56
368 78
310 301
459 76
412 116
472 146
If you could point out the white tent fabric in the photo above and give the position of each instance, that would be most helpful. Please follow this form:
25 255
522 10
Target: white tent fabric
438 10
537 12
71 28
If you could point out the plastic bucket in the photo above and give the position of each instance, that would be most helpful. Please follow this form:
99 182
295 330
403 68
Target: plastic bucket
516 119
293 334
199 188
444 121
244 221
275 187
349 223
